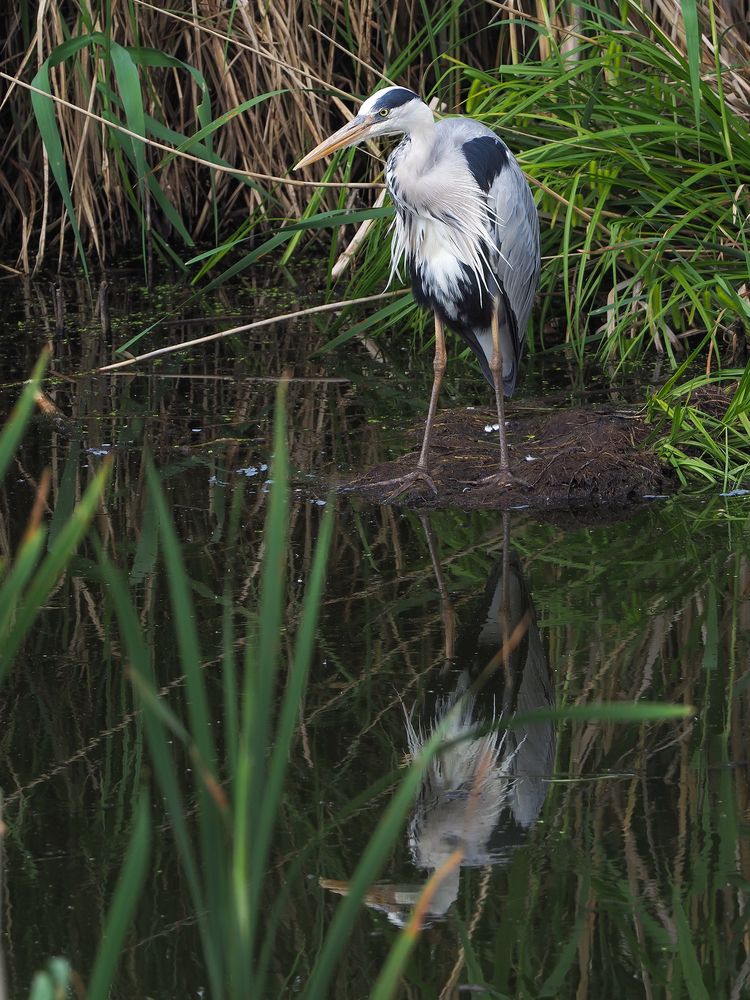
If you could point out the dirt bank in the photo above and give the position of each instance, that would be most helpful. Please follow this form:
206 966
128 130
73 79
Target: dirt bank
559 459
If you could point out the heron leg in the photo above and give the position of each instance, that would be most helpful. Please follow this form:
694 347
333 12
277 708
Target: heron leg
504 477
447 611
496 368
420 474
439 364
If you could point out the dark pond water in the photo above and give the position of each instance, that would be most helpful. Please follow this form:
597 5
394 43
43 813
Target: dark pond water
615 863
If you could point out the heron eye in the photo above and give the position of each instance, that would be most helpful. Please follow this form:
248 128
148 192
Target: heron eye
384 112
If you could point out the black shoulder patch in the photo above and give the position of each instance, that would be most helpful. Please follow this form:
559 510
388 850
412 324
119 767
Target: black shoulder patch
395 98
486 158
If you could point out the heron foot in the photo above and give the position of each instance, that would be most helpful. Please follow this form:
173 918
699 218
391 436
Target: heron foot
405 482
503 479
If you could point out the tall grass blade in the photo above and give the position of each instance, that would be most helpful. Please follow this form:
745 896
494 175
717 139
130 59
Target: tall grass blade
66 495
54 983
42 987
121 910
292 700
391 313
15 425
147 549
691 965
53 565
212 832
552 985
694 51
155 720
17 578
231 698
185 624
611 711
261 679
44 110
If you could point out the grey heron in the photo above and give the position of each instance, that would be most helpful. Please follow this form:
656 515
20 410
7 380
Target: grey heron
467 228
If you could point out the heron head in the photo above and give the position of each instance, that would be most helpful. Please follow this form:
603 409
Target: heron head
392 111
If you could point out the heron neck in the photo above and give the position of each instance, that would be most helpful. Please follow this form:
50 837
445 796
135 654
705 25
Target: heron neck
422 135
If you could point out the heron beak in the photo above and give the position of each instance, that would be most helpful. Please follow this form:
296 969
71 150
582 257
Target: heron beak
354 131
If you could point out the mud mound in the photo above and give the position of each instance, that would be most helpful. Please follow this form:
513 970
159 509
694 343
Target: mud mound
559 459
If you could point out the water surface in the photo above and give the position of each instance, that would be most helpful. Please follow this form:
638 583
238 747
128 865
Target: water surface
600 858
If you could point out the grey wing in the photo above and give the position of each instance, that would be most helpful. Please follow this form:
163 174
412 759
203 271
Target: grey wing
496 203
516 228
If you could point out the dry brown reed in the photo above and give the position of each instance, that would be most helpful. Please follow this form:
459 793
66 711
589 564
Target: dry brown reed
310 60
285 50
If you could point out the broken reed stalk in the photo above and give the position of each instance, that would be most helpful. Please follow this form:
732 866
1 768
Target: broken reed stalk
257 324
348 253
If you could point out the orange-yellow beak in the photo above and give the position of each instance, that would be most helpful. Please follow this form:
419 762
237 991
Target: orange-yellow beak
354 131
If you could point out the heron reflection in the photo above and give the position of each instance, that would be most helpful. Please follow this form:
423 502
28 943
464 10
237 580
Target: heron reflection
485 787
